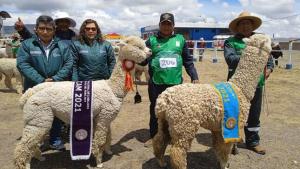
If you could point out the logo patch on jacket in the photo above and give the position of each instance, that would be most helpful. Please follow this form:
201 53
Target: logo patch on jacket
36 52
83 52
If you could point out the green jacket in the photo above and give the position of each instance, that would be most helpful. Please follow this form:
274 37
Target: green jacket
92 62
33 64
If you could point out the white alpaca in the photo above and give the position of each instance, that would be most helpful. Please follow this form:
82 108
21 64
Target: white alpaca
181 110
139 70
43 102
9 70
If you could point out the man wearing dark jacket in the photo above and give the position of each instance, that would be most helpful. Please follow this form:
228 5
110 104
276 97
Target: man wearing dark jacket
243 27
276 52
43 58
169 54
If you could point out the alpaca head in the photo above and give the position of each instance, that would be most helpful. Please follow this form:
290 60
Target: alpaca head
260 41
133 48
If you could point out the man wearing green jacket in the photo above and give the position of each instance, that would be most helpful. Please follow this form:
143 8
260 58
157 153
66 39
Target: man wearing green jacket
243 27
94 58
43 58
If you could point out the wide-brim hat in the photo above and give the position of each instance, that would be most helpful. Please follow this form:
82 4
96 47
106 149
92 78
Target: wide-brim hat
72 22
245 16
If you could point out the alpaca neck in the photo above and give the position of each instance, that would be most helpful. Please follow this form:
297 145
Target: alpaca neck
247 74
117 81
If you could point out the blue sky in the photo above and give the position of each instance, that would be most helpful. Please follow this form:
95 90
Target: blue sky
280 17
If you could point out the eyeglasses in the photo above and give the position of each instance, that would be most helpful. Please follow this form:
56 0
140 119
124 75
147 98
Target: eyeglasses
90 28
48 29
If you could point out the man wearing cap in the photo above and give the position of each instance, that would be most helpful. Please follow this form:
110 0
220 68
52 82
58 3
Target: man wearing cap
243 27
62 31
169 54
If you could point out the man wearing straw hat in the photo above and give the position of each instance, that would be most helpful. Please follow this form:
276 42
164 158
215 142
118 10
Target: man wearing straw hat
243 27
62 29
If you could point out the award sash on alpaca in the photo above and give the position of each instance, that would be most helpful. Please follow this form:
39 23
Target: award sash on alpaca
230 102
81 121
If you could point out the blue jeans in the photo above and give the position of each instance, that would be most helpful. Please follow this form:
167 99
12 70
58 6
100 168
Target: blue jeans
253 122
55 131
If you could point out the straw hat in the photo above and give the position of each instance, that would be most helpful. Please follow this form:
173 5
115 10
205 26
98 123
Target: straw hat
244 15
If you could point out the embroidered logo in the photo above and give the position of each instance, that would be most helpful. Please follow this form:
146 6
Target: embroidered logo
166 16
35 52
83 52
230 123
81 134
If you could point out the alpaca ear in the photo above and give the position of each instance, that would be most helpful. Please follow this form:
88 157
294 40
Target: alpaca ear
121 44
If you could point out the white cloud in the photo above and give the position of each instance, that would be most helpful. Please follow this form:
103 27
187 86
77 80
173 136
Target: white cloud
128 16
269 8
225 5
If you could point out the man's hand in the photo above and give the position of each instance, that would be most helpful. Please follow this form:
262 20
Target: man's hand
19 25
195 81
49 80
268 72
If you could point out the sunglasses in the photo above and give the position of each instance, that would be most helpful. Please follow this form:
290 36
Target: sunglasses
48 29
92 29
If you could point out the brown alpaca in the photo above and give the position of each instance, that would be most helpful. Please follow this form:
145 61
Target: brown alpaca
181 110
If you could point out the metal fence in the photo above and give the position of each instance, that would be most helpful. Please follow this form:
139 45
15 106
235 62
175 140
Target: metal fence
218 46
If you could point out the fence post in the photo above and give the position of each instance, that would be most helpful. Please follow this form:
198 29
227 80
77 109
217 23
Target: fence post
289 65
215 57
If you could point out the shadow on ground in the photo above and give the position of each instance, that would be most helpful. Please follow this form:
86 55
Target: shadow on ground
195 160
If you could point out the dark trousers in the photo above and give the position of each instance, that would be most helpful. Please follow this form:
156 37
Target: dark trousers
55 130
276 62
154 91
253 122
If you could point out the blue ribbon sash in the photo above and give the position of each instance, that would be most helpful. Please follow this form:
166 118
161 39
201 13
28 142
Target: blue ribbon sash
230 102
81 122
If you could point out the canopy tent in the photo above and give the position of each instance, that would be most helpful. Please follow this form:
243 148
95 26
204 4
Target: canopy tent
113 36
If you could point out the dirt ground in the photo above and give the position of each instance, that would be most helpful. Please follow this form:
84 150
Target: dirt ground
279 132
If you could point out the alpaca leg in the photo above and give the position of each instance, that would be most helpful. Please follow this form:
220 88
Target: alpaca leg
222 149
28 146
19 83
7 82
161 141
99 141
38 154
178 157
33 133
108 142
